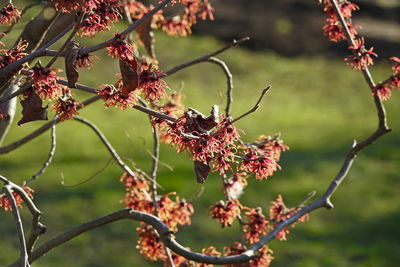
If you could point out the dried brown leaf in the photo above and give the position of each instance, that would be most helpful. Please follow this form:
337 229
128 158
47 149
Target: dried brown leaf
201 170
71 54
146 36
130 76
32 109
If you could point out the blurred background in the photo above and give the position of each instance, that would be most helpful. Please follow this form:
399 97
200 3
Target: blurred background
317 103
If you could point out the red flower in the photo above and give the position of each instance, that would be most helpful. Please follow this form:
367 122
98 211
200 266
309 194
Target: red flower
382 91
256 225
121 49
45 82
262 166
113 97
85 61
225 213
8 14
234 186
361 57
9 56
396 66
100 14
149 243
137 195
263 259
66 106
152 85
67 5
5 202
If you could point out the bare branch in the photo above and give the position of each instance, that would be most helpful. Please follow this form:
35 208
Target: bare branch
50 156
163 231
205 57
256 106
228 75
7 189
38 53
108 145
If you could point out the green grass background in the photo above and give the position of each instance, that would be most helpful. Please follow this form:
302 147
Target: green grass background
317 104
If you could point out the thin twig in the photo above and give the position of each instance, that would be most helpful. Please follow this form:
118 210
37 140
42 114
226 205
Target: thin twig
108 146
228 74
256 106
7 189
40 52
61 50
90 177
50 156
205 57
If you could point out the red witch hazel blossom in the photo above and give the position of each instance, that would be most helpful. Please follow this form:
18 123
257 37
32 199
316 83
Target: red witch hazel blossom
100 15
151 84
66 106
225 213
5 202
362 57
113 97
278 212
9 14
9 56
45 82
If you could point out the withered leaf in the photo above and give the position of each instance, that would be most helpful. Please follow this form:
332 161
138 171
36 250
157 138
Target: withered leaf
146 36
130 77
201 170
32 109
71 53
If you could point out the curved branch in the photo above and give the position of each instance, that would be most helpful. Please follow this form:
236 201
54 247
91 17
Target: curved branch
256 106
108 145
7 189
50 156
163 231
38 53
205 57
228 75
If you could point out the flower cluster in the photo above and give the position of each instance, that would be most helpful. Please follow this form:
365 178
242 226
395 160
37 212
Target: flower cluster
100 14
151 84
361 57
383 89
9 56
172 212
66 106
113 97
256 224
45 82
118 48
225 213
5 202
85 61
179 25
8 14
278 212
261 157
263 259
